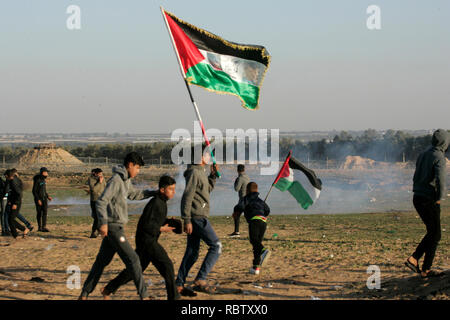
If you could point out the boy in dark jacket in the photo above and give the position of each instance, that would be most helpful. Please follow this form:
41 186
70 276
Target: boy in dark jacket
152 222
429 190
255 212
41 198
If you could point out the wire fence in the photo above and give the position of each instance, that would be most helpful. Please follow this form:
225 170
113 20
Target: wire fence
87 163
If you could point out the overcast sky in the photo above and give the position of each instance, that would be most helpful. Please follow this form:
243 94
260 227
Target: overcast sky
328 71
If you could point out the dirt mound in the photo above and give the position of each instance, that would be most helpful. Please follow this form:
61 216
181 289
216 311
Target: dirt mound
360 163
48 155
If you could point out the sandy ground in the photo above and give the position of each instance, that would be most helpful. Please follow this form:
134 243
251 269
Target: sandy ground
313 257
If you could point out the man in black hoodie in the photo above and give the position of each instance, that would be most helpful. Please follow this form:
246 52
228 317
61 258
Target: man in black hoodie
41 198
14 203
255 212
429 191
152 222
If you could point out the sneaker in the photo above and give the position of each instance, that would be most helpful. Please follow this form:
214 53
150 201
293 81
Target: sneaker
234 235
45 230
265 256
93 235
254 270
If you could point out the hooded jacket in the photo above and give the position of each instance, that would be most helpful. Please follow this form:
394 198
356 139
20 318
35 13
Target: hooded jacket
240 184
39 188
253 207
112 205
429 177
15 191
195 200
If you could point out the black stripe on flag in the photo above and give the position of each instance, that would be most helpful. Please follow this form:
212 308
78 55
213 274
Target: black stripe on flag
208 41
311 175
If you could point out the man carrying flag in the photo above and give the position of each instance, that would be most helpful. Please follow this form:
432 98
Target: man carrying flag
305 188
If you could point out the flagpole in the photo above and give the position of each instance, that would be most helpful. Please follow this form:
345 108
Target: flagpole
271 187
197 112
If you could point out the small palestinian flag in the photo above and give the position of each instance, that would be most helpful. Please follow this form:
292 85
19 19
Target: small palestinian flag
219 65
305 188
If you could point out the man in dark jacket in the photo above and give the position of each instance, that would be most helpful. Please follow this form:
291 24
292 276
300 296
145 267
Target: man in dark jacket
240 186
255 212
41 198
152 222
14 203
429 190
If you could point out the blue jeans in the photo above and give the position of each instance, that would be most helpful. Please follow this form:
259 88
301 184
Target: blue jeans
5 225
25 221
201 230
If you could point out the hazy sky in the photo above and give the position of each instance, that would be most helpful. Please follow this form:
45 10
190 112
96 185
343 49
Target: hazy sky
328 71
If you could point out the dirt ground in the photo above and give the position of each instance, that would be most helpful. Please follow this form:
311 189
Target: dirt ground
313 257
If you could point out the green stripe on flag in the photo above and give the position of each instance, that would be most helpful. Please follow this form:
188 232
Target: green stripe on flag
283 184
300 194
205 76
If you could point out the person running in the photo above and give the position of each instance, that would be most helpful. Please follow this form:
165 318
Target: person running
14 202
240 186
429 190
255 212
112 211
152 222
41 198
195 204
97 184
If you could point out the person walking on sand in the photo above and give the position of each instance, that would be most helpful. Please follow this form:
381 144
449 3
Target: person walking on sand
96 183
240 186
112 211
429 190
195 204
41 198
14 202
4 195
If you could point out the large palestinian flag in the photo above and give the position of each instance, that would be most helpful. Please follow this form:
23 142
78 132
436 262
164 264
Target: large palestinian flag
304 186
219 65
